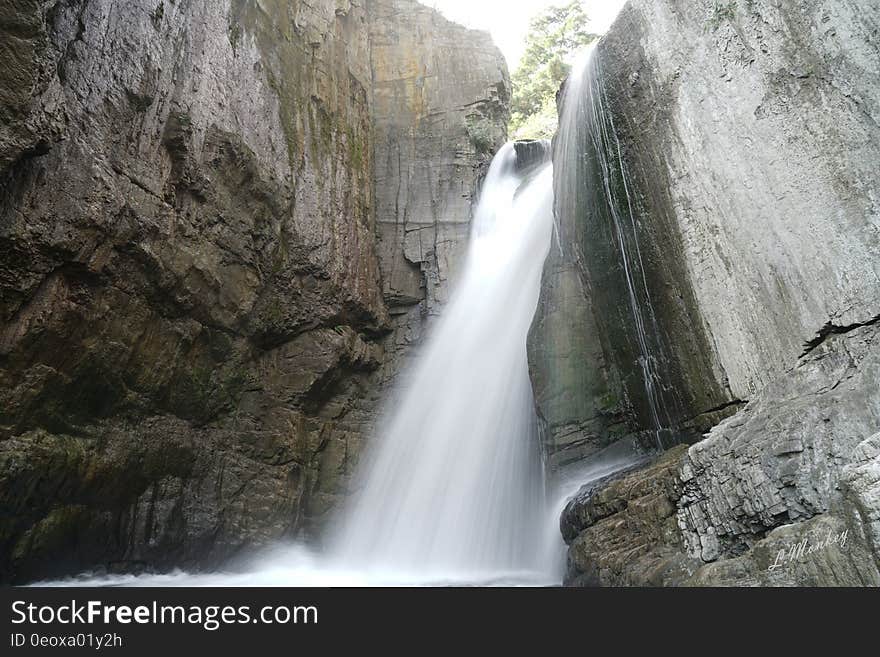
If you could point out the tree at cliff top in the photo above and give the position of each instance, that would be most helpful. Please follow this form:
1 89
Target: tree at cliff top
554 37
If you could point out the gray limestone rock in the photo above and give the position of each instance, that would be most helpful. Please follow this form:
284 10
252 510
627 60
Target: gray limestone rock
784 457
798 464
743 139
440 99
747 134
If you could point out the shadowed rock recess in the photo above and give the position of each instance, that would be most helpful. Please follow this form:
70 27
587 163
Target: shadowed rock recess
219 235
748 136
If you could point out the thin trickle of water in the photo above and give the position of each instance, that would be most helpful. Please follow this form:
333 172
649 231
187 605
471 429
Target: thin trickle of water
584 114
614 459
566 146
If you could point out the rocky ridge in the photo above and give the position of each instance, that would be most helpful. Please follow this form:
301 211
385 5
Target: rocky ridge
753 193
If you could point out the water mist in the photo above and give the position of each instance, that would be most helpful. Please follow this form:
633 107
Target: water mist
453 487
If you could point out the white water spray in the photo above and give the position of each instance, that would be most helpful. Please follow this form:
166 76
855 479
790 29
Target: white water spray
453 486
585 118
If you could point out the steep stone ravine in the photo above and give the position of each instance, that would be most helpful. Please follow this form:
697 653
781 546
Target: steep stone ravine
218 239
749 133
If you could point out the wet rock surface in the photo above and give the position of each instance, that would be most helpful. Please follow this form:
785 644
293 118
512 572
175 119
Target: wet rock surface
628 535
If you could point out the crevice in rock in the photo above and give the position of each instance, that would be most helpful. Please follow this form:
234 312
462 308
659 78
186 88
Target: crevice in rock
69 54
833 329
725 406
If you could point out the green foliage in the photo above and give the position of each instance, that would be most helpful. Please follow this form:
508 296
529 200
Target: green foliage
721 13
480 135
157 14
554 37
540 125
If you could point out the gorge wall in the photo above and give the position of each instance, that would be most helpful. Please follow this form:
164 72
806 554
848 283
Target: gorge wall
743 139
222 226
440 101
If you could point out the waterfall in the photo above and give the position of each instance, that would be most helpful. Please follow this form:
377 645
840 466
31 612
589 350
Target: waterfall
452 487
593 179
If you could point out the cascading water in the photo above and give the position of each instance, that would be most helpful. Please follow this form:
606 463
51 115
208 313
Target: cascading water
591 181
453 487
586 120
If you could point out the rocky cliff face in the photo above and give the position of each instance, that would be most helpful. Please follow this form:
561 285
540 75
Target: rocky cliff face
744 139
197 314
434 139
764 499
759 158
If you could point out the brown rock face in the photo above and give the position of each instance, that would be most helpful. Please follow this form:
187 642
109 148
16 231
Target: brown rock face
622 531
27 127
194 305
433 142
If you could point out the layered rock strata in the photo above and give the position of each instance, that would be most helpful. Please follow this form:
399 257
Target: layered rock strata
202 273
